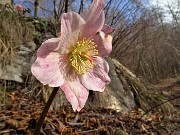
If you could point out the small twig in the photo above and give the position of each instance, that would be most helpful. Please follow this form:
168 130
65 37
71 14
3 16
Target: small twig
61 125
88 131
75 123
98 115
151 110
4 117
38 93
8 131
53 124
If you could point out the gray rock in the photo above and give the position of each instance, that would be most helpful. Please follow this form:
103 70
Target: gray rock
20 65
114 96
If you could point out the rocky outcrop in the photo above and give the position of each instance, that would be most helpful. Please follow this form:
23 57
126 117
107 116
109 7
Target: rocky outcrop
114 96
20 64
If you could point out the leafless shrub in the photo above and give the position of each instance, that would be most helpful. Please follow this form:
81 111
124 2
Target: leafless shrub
148 45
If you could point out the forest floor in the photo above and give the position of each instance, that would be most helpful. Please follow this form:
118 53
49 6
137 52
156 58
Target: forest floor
20 113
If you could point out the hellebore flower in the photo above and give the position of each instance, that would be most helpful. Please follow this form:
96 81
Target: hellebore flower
19 7
75 60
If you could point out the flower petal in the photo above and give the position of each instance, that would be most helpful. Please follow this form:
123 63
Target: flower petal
94 11
71 24
48 46
94 18
47 70
75 93
104 43
98 77
107 29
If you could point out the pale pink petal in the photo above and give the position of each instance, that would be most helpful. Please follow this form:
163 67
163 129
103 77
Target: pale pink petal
94 18
107 29
71 24
75 93
47 70
104 43
98 78
94 11
50 45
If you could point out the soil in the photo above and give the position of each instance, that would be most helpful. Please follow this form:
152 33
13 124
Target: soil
20 112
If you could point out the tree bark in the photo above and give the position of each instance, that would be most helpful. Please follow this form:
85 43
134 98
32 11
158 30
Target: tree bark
81 6
55 11
36 8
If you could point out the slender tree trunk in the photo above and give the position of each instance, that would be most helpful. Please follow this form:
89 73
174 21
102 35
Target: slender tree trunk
81 6
55 11
36 7
66 6
60 8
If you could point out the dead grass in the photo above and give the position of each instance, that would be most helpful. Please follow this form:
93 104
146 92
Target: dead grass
3 97
14 32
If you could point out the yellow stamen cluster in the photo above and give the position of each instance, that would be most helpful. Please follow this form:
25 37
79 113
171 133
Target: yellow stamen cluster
81 56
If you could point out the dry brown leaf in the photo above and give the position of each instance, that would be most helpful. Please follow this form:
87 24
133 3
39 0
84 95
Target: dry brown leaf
143 129
13 122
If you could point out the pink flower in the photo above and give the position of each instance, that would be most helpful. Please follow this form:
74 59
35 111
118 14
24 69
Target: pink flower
75 61
19 7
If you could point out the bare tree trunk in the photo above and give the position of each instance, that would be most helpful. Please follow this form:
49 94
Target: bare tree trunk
81 6
66 5
36 7
55 11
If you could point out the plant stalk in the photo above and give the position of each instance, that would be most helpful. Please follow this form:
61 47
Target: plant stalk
45 111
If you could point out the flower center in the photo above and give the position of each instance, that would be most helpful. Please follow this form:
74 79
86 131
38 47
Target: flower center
81 57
